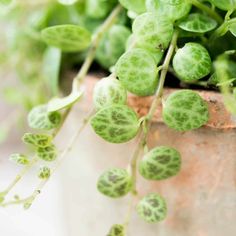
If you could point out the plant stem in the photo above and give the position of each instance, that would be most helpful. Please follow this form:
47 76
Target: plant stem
149 116
29 200
34 160
228 14
76 83
129 211
18 177
222 29
95 43
208 10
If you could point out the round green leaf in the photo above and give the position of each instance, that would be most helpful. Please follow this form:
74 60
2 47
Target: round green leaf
117 230
160 163
152 208
225 4
137 71
69 38
44 172
112 45
115 183
109 91
40 118
185 110
198 23
152 32
192 62
38 140
48 153
169 9
115 123
98 9
19 159
137 6
133 43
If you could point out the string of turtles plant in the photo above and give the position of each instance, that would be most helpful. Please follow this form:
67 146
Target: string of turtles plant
167 35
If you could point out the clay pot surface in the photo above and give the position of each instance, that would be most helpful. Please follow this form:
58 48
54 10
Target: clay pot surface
201 198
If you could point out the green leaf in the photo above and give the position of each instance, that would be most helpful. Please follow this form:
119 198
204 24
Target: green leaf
160 163
98 9
57 104
112 45
137 6
19 159
67 2
48 153
192 62
152 208
115 183
157 53
232 29
109 91
40 118
198 23
117 230
185 110
169 9
69 38
152 32
51 70
137 71
38 140
44 172
115 123
225 4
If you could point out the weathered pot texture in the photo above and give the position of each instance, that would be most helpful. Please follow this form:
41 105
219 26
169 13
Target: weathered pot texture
201 198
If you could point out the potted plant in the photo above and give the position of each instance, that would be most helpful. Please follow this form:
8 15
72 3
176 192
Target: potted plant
167 176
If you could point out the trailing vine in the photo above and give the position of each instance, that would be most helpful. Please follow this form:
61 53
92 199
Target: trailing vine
167 37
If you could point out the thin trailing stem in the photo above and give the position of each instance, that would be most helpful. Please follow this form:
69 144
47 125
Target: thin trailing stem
228 14
76 83
129 211
155 103
147 121
29 200
222 29
208 10
95 43
19 177
34 160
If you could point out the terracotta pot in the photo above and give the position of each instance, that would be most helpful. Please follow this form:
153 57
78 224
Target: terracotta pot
201 199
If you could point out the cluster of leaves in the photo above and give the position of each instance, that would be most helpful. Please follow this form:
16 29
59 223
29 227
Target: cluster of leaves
25 52
44 149
182 36
137 71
